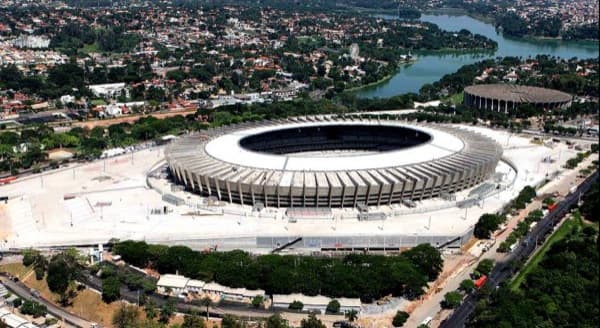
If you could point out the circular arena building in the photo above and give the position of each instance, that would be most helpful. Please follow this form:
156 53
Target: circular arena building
504 97
331 162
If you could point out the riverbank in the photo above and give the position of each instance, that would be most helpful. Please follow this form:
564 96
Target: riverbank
433 65
372 84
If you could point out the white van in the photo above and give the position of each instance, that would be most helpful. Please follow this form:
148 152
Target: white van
427 321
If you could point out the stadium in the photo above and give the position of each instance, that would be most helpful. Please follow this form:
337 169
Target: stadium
504 97
331 162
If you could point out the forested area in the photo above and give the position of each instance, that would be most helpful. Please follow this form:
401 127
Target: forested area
591 206
560 74
561 291
357 275
583 32
73 37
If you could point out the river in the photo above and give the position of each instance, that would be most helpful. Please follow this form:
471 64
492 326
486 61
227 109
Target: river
431 67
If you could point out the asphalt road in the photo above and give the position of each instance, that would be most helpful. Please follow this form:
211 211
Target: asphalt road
502 271
24 292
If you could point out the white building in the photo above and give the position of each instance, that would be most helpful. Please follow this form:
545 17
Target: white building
67 99
112 152
354 51
173 282
14 321
179 284
113 110
232 294
31 41
316 303
109 90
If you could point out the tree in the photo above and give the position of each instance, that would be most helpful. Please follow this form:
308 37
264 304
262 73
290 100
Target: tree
467 285
111 289
150 310
166 311
296 306
333 307
193 321
400 318
229 321
311 322
351 315
485 266
452 300
486 224
207 302
58 277
33 308
127 316
29 256
427 258
276 321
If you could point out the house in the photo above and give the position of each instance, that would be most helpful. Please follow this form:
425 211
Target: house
195 286
171 282
511 77
241 295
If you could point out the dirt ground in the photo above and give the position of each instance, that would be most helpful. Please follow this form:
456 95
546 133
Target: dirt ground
16 269
87 304
130 119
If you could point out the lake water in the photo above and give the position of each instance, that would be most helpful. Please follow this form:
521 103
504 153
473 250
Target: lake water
431 67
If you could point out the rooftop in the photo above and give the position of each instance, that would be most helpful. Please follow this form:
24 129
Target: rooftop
518 93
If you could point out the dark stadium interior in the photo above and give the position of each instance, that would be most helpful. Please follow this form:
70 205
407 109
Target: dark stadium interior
335 137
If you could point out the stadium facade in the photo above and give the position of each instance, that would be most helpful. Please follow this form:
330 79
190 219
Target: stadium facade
505 97
331 162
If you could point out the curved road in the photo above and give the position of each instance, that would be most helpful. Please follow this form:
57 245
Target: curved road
24 292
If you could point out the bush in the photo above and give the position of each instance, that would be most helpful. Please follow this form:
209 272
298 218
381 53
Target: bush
333 307
257 301
111 289
400 318
467 285
17 302
34 309
452 300
296 306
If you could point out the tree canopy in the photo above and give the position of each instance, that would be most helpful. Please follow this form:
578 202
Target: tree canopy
406 274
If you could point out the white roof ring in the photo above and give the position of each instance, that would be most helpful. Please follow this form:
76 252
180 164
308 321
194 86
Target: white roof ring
282 163
227 148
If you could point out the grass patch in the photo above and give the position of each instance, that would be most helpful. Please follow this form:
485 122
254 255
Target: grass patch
16 269
456 99
89 48
98 102
564 230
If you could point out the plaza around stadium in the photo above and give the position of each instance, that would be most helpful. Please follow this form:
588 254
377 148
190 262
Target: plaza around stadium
122 197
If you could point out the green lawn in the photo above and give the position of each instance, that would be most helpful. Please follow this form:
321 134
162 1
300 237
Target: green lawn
568 226
456 99
98 102
88 48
